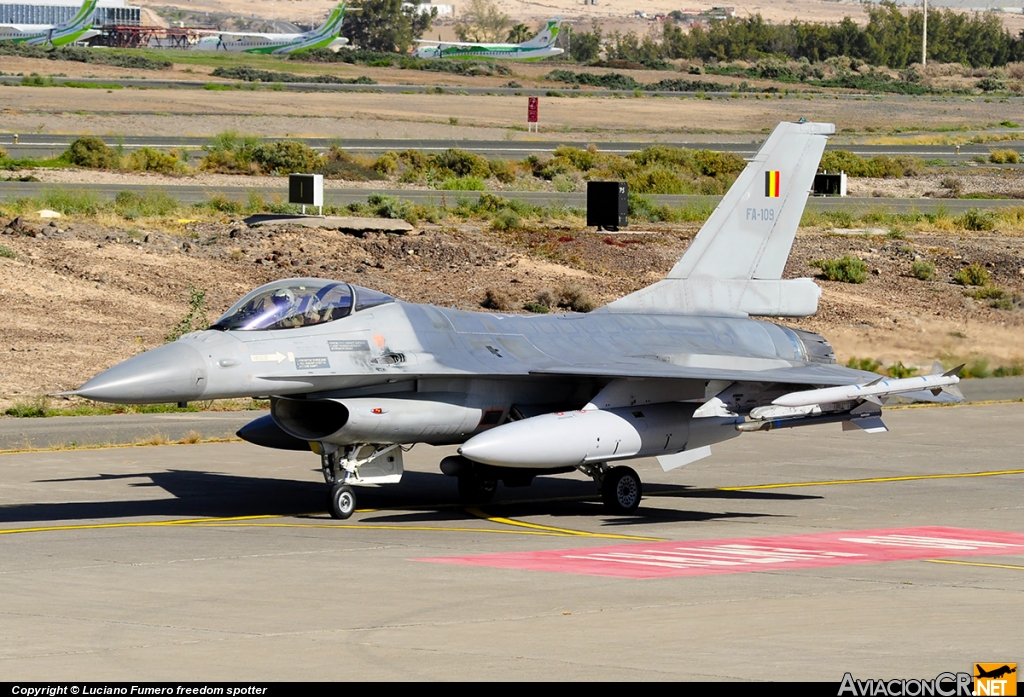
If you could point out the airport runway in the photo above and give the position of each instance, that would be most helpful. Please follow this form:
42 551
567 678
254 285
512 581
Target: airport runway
191 193
42 145
216 562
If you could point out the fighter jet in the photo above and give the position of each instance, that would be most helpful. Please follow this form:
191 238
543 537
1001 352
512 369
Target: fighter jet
357 376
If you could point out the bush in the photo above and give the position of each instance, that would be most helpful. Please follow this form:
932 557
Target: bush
70 201
574 298
1004 157
463 184
973 275
537 308
899 371
7 253
287 156
977 220
132 205
230 152
151 160
503 170
497 300
869 365
338 164
846 270
990 84
460 163
89 151
506 219
922 270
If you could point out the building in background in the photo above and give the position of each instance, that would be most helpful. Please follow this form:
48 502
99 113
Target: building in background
108 12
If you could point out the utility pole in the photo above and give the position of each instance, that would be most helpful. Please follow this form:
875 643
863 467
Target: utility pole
924 37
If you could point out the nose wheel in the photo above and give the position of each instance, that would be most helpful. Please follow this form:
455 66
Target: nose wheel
621 490
342 502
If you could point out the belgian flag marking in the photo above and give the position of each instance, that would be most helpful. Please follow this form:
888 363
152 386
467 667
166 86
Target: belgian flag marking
772 182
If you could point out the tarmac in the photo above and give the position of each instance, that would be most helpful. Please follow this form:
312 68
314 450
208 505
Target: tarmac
896 555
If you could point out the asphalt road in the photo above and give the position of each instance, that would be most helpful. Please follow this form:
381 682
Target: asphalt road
50 145
190 193
217 562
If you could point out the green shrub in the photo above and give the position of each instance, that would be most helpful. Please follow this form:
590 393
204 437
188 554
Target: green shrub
1004 157
879 166
469 183
132 205
922 270
219 203
151 160
69 201
506 219
386 163
286 156
973 275
976 220
35 407
230 152
898 370
89 151
194 319
537 308
846 270
7 253
869 365
997 297
503 170
460 163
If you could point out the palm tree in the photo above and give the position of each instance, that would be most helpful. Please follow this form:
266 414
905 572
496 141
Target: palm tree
518 34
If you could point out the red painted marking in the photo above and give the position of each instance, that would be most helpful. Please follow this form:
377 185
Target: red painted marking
738 555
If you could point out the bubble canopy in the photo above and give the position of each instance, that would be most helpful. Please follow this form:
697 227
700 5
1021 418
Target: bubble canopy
298 302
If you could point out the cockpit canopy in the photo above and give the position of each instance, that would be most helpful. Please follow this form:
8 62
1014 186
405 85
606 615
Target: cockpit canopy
298 302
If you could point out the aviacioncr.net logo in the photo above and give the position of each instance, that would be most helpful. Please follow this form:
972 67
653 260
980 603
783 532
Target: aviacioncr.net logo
942 685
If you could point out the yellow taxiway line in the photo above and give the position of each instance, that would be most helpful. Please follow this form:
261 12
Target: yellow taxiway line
976 563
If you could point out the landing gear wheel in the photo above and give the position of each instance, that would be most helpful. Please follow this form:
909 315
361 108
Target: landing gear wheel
342 502
475 490
621 490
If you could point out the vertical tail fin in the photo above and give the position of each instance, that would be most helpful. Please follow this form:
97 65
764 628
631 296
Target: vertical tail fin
82 18
547 35
734 265
332 26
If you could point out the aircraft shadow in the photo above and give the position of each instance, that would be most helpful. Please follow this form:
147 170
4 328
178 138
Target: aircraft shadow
217 495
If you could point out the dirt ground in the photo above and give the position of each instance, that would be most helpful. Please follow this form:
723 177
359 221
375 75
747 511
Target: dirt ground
81 296
454 116
610 15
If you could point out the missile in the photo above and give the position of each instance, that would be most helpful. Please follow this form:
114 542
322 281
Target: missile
871 391
572 438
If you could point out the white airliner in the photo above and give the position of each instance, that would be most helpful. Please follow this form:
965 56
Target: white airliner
78 28
540 46
324 36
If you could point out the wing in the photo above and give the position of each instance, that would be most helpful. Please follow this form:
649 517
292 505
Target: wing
809 374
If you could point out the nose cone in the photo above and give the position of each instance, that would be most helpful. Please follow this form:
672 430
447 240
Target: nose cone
175 372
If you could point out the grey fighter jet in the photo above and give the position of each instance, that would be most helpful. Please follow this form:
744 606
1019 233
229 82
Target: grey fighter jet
355 375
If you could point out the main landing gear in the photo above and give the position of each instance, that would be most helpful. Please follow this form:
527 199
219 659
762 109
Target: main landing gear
621 489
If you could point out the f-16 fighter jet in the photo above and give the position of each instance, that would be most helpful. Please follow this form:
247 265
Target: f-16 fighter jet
354 375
